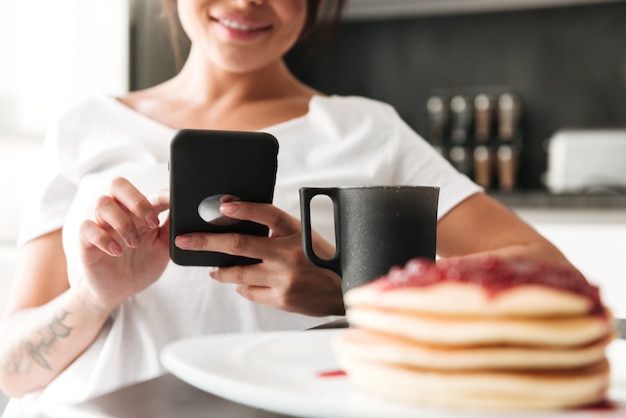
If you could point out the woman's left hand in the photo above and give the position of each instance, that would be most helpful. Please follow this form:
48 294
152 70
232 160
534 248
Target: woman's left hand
285 279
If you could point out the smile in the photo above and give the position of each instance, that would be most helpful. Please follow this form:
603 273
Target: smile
231 24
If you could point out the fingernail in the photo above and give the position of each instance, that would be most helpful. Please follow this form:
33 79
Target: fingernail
228 208
134 240
184 241
152 220
213 270
115 249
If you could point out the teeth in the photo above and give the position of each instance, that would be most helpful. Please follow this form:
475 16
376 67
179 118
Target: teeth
235 25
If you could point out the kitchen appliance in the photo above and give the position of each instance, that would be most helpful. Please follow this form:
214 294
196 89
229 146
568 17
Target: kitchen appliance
587 160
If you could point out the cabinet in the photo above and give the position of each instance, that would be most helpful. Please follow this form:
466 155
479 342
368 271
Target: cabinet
374 9
594 240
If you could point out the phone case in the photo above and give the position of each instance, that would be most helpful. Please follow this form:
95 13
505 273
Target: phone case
207 167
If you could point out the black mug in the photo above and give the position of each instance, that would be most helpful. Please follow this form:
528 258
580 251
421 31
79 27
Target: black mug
376 228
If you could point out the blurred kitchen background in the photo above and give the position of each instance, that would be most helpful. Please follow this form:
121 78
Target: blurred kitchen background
533 70
528 97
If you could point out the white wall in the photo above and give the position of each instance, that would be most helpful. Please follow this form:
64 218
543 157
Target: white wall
15 158
50 53
7 62
53 51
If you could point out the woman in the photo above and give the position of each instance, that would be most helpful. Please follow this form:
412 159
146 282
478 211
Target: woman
96 296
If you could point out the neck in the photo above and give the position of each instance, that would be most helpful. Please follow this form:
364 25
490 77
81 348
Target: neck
204 96
202 83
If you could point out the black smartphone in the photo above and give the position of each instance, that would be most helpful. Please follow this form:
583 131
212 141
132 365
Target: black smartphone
208 167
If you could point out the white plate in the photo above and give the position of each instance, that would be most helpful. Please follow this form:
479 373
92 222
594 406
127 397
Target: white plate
283 372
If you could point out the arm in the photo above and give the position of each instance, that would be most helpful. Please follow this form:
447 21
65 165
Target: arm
286 280
47 324
50 323
480 224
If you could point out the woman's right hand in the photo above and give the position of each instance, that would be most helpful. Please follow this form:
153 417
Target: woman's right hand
123 249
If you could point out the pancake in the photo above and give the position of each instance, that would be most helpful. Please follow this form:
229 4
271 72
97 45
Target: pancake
385 348
481 389
478 332
464 331
484 286
471 299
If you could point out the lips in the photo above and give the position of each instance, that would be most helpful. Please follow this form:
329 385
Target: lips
241 25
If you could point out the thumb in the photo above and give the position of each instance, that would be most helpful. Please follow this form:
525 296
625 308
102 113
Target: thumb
160 201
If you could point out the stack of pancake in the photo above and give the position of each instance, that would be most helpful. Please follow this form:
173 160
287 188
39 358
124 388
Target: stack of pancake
479 333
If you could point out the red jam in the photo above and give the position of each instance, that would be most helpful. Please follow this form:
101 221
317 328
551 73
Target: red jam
604 405
332 373
493 274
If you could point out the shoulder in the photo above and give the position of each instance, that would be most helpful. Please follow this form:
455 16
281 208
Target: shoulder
85 109
345 114
354 106
84 129
75 119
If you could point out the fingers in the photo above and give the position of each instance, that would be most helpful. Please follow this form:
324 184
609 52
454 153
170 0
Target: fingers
251 275
118 218
234 244
92 235
284 227
301 288
255 284
110 216
160 201
134 201
260 294
280 222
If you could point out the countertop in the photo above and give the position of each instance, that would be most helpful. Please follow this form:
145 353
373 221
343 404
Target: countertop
541 199
593 209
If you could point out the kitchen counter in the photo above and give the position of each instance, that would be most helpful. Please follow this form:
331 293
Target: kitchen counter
577 210
589 229
544 200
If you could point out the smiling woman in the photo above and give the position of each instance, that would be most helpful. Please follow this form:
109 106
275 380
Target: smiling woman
320 18
95 285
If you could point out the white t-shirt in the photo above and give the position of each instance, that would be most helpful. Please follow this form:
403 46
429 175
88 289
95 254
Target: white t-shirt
341 141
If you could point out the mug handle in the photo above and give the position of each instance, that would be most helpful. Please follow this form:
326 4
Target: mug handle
306 195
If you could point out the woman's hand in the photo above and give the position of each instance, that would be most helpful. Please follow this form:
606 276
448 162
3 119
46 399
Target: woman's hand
123 249
285 279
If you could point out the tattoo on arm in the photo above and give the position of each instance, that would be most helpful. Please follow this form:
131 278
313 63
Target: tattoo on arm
35 350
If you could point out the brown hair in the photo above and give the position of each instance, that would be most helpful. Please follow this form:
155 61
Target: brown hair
322 18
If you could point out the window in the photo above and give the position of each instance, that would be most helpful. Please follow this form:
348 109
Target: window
53 51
